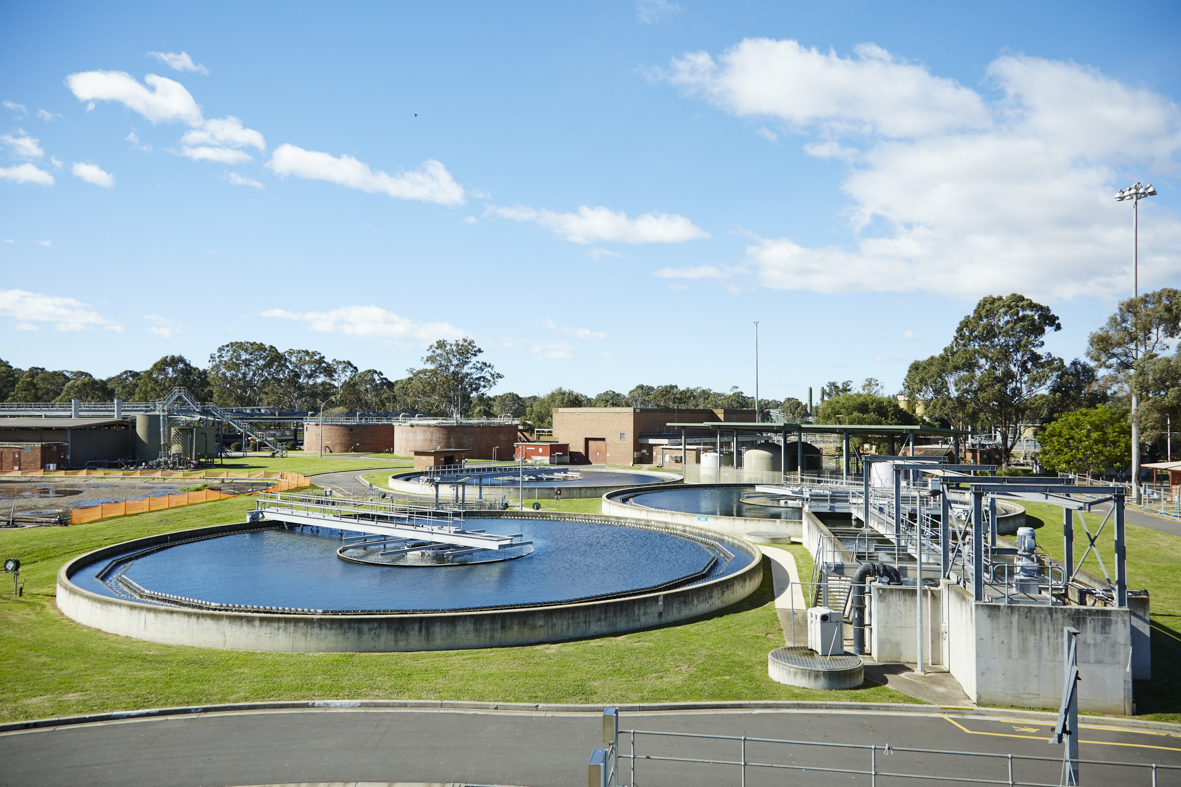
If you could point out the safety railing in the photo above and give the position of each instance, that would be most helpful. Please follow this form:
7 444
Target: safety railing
730 759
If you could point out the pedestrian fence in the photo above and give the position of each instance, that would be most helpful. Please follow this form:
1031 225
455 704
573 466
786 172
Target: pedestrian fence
651 758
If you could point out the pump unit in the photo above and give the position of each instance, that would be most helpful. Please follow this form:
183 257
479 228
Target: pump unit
826 631
1026 580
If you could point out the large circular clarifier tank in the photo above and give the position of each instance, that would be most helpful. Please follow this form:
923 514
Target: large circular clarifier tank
267 588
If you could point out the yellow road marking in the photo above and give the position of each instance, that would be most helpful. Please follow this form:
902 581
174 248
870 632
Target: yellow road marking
1039 738
1025 729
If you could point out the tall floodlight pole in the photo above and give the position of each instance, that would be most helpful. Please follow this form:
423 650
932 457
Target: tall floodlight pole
756 371
1135 193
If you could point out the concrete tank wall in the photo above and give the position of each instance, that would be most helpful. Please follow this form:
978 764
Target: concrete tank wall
732 525
398 632
147 437
893 636
495 441
346 438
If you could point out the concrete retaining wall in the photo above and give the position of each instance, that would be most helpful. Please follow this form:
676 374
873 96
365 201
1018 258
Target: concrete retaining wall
959 627
892 637
409 632
733 525
1012 654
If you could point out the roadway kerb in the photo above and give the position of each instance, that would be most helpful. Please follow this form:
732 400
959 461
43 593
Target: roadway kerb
546 709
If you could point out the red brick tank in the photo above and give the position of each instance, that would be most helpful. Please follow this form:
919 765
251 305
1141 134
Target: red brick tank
494 441
346 438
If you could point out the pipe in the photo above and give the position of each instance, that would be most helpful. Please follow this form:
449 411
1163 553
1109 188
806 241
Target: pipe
858 603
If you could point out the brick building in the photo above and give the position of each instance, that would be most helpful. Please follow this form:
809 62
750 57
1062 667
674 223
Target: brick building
627 435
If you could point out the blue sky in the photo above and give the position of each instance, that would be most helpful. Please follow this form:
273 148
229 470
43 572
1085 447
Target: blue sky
600 195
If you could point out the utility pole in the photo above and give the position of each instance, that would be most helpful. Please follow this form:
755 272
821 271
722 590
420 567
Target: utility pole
1135 193
756 371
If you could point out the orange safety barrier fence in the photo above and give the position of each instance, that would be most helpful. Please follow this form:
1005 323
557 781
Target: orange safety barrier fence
284 482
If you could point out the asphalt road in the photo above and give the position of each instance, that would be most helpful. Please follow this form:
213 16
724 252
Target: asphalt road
535 749
348 482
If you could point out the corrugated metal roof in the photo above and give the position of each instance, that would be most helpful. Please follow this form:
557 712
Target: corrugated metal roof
57 423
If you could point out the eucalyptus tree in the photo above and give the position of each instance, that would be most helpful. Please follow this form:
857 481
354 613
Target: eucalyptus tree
241 373
170 372
995 369
452 377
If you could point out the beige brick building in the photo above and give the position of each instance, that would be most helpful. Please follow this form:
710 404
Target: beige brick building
625 435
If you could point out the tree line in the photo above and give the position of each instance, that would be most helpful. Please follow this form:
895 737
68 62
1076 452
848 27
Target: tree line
994 374
453 382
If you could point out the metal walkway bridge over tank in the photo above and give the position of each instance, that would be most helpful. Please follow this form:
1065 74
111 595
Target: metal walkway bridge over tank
400 526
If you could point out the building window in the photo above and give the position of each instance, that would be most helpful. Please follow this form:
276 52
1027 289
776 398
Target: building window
623 435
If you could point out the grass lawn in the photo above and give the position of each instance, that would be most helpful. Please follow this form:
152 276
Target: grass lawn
51 666
1154 564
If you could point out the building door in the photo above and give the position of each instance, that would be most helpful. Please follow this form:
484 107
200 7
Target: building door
16 460
596 450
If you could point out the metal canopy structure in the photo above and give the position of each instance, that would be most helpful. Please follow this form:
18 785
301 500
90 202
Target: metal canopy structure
907 432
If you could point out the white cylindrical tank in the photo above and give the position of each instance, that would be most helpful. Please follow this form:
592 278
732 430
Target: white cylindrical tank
710 461
757 460
775 451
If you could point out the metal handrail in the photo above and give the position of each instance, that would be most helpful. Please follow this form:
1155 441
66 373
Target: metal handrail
872 750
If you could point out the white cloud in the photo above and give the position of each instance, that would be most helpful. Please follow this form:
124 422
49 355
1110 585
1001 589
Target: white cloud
652 11
909 334
580 333
696 272
26 173
66 314
239 180
166 102
596 225
597 254
370 321
161 326
48 117
92 173
224 132
559 351
431 183
135 143
23 146
606 354
953 193
56 162
181 62
873 93
45 243
9 240
469 220
768 134
26 326
219 139
220 155
15 107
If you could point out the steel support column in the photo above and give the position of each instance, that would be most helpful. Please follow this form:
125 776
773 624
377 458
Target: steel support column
800 455
992 521
945 534
1121 569
1068 540
845 456
977 545
897 517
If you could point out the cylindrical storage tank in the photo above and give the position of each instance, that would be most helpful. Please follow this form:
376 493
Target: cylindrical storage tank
482 441
710 461
773 452
348 438
147 437
758 461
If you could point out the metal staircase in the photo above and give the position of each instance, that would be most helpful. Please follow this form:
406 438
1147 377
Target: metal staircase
180 404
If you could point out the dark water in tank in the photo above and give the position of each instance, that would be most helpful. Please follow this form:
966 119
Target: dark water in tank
293 568
510 478
710 501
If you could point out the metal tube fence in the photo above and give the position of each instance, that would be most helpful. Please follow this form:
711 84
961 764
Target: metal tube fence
891 764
